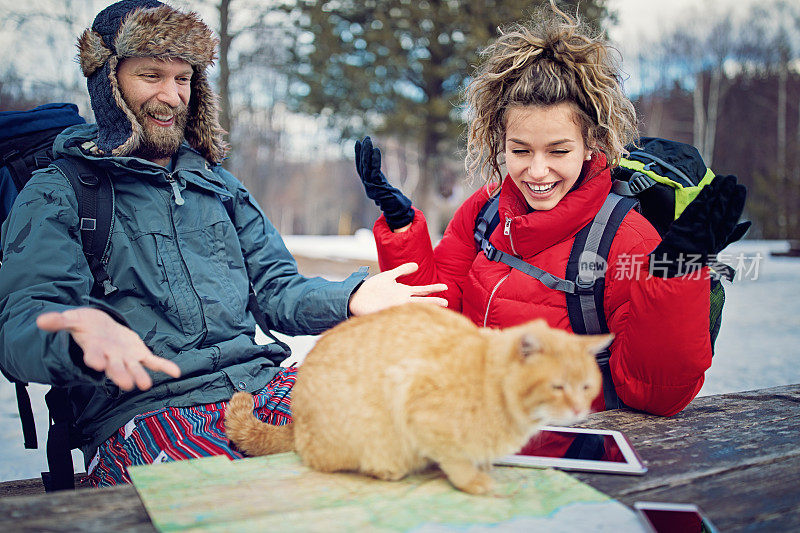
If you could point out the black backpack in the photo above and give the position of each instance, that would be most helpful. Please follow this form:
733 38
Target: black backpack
26 145
659 178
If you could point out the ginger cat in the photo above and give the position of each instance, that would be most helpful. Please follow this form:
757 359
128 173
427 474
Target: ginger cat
390 393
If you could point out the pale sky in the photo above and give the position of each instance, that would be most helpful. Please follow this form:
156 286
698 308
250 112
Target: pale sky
642 17
640 22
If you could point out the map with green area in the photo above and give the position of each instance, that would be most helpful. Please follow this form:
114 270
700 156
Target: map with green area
278 492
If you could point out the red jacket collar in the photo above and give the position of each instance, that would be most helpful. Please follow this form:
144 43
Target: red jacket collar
532 232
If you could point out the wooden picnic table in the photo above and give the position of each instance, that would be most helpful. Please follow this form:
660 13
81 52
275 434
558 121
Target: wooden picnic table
735 455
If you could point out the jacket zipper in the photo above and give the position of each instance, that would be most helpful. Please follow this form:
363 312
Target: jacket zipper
176 192
180 201
507 232
489 303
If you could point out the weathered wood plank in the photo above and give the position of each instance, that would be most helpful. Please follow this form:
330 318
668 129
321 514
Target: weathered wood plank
332 267
737 500
86 510
21 487
737 456
29 487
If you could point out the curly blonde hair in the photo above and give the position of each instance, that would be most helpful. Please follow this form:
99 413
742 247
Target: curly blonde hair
551 59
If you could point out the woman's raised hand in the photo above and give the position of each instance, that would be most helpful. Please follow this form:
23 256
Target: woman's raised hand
395 205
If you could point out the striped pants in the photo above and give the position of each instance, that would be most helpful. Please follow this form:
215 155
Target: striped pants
175 433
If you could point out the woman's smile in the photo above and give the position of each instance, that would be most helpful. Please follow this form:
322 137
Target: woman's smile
545 152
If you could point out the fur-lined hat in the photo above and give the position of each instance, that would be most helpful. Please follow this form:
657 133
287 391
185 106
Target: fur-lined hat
148 28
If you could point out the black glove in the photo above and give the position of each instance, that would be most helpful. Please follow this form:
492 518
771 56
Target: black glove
394 204
706 227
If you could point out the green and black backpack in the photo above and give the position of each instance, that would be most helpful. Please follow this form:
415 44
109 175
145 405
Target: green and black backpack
659 178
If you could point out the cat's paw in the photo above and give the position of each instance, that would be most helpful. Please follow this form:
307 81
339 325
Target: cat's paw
465 476
387 475
481 483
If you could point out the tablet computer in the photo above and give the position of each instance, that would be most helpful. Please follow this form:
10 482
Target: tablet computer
668 517
586 450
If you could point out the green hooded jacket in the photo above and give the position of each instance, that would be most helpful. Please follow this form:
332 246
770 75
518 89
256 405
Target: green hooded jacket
182 273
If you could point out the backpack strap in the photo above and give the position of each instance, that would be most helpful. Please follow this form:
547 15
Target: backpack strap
95 196
25 415
24 153
637 183
252 299
587 263
17 168
59 442
547 279
487 220
655 159
586 266
96 212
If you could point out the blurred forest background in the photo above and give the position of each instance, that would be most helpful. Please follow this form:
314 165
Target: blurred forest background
300 80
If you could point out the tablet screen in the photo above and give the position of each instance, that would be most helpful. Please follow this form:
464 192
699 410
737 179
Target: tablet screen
669 517
578 449
570 445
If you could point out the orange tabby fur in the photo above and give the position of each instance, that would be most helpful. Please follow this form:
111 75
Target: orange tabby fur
390 393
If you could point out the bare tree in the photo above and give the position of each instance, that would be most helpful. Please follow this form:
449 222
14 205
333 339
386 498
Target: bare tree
241 26
774 45
41 51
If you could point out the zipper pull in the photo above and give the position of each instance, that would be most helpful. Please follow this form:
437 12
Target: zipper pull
176 192
507 227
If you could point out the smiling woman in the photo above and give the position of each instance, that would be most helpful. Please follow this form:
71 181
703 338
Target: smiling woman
545 152
548 120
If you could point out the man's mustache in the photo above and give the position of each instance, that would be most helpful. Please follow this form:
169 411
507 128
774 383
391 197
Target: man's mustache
160 108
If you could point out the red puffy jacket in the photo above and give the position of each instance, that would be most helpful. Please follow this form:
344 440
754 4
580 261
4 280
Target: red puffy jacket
662 345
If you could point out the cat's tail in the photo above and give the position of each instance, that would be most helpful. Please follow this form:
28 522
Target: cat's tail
251 435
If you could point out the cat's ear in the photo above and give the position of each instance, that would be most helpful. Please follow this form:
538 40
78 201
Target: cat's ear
597 343
529 344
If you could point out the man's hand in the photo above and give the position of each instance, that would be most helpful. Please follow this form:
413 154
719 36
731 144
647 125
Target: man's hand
109 347
382 291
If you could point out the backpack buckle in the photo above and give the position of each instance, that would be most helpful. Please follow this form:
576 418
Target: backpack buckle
88 224
489 251
90 180
639 182
8 156
584 286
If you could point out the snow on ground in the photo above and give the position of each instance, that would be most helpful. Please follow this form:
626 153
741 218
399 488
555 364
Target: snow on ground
758 343
360 246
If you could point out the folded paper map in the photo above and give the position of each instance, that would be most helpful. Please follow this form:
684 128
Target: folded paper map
278 493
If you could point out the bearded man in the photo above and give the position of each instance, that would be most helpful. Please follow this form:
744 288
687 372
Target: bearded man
148 363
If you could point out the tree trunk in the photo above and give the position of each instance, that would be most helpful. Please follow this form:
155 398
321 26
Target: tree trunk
224 66
781 183
794 197
427 184
715 90
698 101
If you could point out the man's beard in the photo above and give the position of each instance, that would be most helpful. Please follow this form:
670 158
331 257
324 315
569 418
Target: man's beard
159 142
